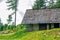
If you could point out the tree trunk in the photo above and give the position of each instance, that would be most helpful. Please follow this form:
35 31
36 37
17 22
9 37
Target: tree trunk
15 18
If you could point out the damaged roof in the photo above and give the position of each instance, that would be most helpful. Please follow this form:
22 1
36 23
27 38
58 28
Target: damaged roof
41 16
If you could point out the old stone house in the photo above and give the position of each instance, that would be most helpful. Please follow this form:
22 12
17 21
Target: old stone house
42 19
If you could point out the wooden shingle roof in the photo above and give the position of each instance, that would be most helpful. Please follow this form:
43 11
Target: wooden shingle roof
41 16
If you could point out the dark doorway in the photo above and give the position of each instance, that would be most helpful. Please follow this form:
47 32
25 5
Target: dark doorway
42 26
56 25
49 26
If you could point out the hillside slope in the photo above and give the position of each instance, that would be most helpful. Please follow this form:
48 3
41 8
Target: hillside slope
53 34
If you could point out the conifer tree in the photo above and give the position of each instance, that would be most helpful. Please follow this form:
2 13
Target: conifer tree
13 5
1 25
39 4
57 4
9 19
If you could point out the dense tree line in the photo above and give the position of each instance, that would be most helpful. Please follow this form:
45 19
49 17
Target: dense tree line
10 26
43 4
39 4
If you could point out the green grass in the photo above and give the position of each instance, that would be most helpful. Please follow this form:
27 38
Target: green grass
12 36
53 34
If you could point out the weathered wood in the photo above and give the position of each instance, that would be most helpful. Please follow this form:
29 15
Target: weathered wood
52 25
47 26
35 27
59 25
29 27
42 16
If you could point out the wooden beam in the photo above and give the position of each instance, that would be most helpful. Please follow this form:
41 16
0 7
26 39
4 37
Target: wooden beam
47 26
59 25
52 25
35 27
